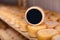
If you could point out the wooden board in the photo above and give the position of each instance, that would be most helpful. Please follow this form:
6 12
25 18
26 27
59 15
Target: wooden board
7 14
7 33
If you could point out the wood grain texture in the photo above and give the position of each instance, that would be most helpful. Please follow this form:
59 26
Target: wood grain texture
7 33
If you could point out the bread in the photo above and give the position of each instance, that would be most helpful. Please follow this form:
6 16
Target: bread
58 28
23 25
51 24
56 37
54 18
46 34
32 30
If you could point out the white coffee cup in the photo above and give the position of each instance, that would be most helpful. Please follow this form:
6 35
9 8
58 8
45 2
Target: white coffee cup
31 10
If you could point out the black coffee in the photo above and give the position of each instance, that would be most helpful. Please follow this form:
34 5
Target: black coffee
34 16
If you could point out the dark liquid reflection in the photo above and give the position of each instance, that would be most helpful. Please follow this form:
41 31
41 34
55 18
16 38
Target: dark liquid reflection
34 16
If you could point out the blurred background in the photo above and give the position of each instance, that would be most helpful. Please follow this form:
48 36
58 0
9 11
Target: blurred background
53 5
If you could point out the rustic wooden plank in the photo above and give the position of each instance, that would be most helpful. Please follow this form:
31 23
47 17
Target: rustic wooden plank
7 33
10 15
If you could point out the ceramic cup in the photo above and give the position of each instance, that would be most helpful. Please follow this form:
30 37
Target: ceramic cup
34 15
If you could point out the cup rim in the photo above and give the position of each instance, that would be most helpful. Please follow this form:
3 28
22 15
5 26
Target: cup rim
38 8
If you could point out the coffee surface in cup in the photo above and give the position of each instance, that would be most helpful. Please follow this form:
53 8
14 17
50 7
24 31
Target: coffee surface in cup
34 16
